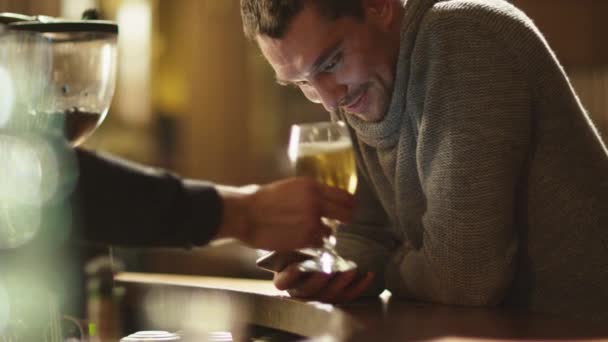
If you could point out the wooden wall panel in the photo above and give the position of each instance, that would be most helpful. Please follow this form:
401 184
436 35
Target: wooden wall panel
31 7
215 134
575 29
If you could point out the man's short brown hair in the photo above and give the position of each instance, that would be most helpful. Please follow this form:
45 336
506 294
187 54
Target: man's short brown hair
272 17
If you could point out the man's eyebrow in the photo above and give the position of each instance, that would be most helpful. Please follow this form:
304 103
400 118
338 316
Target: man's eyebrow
323 57
327 54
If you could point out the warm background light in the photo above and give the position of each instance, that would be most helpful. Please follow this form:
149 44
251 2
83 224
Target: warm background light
194 96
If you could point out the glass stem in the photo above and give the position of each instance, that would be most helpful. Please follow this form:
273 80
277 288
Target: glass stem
329 242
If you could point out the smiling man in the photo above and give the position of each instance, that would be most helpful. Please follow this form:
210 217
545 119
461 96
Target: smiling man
482 180
340 65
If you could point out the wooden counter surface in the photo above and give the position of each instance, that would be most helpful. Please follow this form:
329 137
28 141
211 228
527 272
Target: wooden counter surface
383 319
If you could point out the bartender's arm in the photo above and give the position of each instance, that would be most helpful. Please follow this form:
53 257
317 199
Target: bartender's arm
122 203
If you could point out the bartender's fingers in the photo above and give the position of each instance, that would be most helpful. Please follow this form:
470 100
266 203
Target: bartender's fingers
336 286
338 198
323 231
310 285
335 194
314 235
356 288
288 278
336 211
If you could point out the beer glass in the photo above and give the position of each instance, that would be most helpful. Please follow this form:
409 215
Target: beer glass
323 151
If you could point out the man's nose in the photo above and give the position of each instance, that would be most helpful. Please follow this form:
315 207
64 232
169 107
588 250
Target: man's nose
329 93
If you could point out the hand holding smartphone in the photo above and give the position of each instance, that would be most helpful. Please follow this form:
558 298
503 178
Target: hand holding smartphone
277 261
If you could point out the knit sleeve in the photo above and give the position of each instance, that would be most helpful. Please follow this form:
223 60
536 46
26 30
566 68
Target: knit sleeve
122 203
367 240
473 135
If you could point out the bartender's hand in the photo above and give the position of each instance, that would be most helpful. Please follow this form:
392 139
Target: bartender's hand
335 288
283 215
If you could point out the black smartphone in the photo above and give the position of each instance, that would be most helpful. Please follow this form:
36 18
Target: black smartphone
277 261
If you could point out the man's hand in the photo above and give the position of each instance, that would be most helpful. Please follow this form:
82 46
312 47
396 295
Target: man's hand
284 215
330 288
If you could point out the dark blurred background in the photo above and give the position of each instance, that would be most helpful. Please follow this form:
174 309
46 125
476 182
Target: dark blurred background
195 97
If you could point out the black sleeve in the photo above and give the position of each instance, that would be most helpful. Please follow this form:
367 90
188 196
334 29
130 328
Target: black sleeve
122 203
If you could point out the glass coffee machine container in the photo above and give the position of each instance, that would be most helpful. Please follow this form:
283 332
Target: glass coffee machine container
56 84
67 88
8 18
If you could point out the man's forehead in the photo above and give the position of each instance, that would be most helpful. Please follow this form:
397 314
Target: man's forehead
285 61
308 36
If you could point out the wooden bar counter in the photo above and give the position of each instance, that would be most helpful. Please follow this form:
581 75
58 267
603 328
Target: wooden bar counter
257 302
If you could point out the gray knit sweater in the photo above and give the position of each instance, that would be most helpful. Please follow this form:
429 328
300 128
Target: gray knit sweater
486 182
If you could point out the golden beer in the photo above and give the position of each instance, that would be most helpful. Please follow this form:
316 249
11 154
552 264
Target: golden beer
331 163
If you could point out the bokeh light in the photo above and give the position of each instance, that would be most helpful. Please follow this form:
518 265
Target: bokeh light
20 180
21 173
29 178
7 96
18 225
28 310
4 309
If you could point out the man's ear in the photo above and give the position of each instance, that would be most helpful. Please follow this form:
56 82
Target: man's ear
381 12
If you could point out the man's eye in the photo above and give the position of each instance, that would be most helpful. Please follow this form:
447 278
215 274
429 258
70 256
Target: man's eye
333 63
301 83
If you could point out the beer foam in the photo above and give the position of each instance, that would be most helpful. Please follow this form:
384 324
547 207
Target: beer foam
323 147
